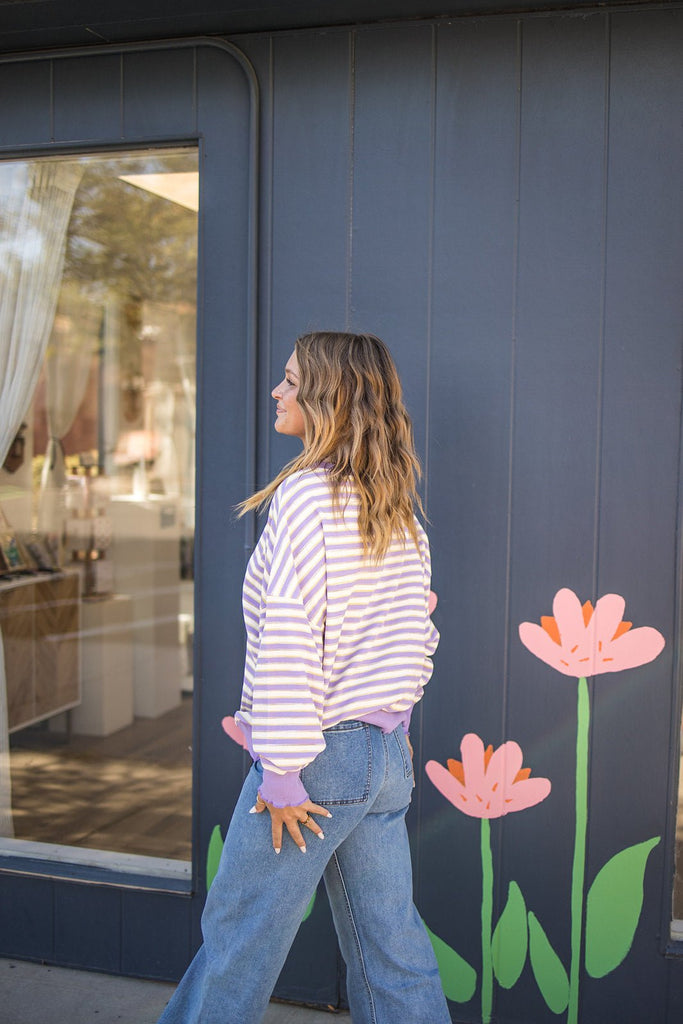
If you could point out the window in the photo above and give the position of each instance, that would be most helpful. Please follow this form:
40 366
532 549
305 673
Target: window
97 502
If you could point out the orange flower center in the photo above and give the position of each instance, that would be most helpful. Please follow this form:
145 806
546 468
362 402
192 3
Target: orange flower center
550 625
457 771
622 628
551 628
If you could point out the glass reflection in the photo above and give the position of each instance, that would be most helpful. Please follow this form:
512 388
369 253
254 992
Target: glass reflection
97 512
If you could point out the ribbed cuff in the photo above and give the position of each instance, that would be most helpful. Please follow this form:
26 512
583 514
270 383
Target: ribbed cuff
282 790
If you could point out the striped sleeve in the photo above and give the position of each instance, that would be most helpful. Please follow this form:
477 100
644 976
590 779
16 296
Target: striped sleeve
287 685
431 632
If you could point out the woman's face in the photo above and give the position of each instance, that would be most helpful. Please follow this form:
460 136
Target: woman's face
290 418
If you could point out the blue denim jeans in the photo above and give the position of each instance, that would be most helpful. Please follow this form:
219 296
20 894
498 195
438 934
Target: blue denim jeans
258 898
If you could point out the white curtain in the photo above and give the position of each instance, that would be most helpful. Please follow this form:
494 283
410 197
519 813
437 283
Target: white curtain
67 369
187 473
35 206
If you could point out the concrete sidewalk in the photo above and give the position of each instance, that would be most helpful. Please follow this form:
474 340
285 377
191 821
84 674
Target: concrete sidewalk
37 994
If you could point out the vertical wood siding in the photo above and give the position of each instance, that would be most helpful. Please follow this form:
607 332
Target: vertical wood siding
500 200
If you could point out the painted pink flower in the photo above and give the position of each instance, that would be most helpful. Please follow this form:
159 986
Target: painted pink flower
585 641
487 783
231 727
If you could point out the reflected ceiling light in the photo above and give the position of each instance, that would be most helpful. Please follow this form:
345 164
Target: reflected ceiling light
181 187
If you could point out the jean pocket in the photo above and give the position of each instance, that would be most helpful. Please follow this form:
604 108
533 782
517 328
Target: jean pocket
341 773
407 760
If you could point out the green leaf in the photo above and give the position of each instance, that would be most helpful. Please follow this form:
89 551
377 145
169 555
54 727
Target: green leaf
549 973
613 906
213 855
510 939
458 978
309 908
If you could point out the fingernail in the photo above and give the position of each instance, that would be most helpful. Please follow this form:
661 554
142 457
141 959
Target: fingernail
320 835
303 849
329 814
277 849
253 810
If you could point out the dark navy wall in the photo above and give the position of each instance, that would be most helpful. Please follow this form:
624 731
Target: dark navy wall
498 198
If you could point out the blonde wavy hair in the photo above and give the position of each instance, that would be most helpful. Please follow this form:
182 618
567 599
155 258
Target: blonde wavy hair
356 423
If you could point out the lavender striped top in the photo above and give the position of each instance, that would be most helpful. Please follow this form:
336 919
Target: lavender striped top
330 635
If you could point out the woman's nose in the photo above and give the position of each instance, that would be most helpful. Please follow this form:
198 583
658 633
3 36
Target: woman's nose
277 391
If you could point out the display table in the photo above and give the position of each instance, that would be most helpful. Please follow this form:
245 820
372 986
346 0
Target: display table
146 562
40 623
107 666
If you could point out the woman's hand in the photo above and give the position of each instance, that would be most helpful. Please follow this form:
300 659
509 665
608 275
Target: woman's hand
292 818
412 757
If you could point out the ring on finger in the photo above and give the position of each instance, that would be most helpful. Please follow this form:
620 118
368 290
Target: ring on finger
305 821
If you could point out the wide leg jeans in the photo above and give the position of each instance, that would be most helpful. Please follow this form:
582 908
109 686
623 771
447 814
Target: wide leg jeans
258 898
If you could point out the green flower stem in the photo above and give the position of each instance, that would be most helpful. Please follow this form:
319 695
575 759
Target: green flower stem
579 861
486 922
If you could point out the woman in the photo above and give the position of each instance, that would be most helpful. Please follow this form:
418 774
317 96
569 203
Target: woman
339 639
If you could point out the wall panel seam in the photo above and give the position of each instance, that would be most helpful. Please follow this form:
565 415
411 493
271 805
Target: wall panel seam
603 308
351 176
122 102
513 353
195 90
52 101
430 256
428 383
268 262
